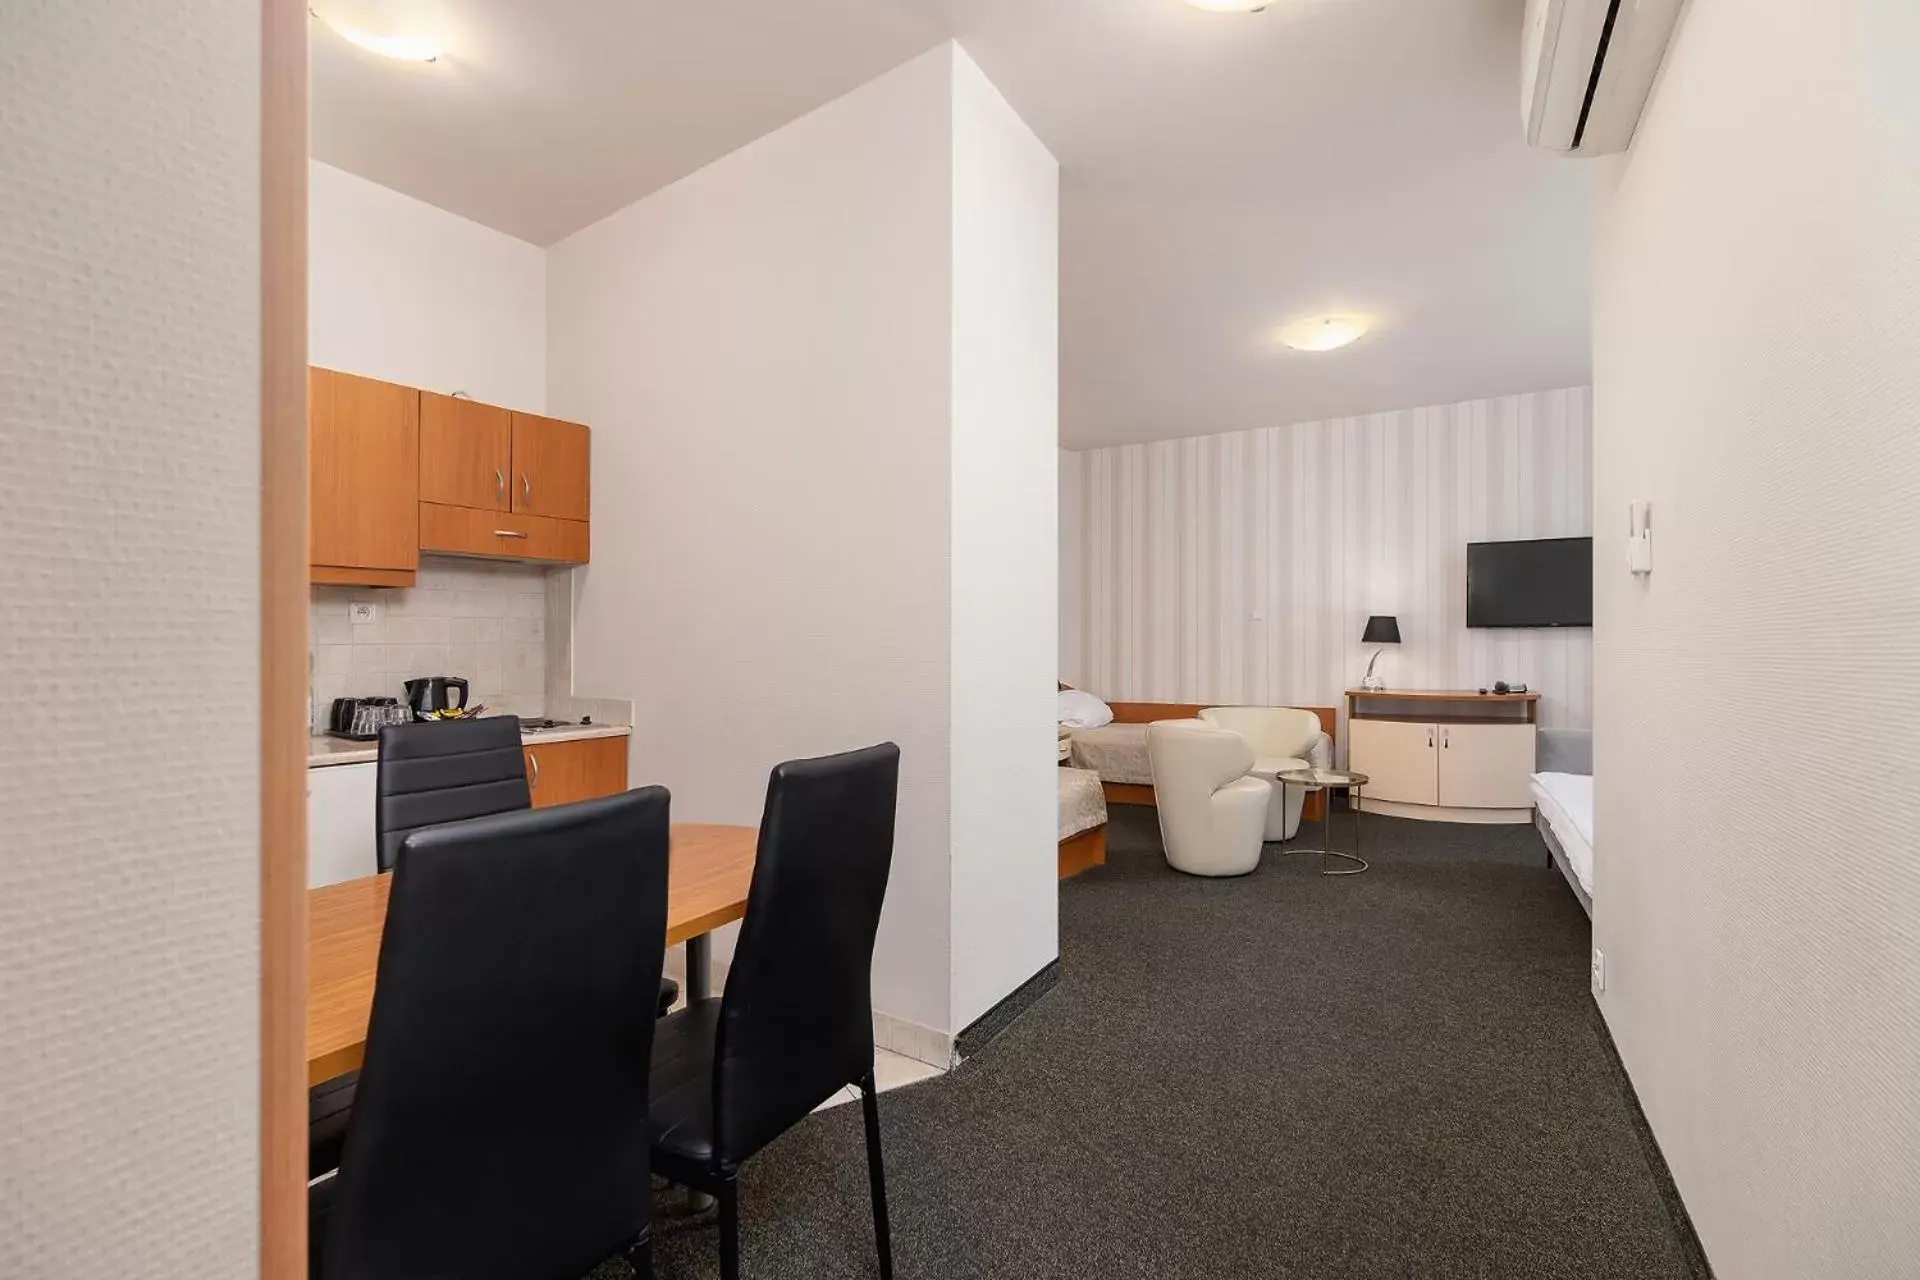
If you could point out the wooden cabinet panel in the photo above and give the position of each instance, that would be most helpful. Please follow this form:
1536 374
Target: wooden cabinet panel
563 772
363 457
504 535
1486 766
1399 757
552 463
466 452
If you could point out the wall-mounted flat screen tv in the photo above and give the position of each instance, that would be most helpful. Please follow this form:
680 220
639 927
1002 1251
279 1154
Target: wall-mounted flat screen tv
1545 582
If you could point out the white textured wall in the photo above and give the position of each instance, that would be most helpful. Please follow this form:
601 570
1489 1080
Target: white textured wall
763 351
1006 432
1242 567
1757 376
1072 574
130 639
403 291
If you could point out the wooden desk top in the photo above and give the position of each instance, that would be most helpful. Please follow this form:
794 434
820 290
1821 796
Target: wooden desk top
1442 695
709 869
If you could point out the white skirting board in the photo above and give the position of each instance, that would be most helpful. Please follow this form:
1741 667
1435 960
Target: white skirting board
1440 813
911 1040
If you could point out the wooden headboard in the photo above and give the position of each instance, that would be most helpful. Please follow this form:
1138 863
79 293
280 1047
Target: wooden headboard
1148 712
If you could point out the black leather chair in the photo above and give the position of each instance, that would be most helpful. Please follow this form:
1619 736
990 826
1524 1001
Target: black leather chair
429 774
500 1129
444 772
795 1023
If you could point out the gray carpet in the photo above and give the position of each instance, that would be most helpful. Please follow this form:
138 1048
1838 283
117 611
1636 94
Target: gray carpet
1388 1075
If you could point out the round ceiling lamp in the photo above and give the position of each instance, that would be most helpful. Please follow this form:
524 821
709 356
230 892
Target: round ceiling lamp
1324 333
400 47
1230 6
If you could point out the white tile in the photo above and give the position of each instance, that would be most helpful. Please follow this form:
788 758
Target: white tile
527 606
333 660
330 627
461 660
524 630
890 1071
475 630
417 630
370 660
409 660
478 604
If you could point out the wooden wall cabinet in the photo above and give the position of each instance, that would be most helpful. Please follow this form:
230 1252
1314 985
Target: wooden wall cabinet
552 464
563 772
363 457
466 453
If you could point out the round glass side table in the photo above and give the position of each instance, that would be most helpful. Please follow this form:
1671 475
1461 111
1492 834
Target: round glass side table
1330 781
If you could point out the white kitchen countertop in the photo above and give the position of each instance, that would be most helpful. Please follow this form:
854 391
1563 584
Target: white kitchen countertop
323 751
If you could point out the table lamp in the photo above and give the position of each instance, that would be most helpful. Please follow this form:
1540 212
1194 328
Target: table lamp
1382 628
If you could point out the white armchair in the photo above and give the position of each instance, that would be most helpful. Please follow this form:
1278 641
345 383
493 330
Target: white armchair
1282 738
1212 813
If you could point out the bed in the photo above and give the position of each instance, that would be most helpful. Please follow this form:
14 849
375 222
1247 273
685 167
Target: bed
1083 821
1118 751
1563 807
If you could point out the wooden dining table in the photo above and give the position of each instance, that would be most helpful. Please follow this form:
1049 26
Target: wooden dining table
709 868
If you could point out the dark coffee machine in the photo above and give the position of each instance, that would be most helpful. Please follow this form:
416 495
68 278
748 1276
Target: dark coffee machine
435 693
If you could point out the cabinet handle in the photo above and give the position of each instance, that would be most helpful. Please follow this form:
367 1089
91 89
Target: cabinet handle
1429 737
508 533
499 485
526 489
1446 737
534 761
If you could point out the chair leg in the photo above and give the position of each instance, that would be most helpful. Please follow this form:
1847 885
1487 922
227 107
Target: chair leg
640 1257
876 1175
729 1230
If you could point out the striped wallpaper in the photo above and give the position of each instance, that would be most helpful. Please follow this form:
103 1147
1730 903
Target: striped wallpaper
1242 567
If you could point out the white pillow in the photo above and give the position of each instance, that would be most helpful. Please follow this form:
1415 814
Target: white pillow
1081 710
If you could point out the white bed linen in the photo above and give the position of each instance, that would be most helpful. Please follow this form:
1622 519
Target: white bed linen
1566 802
1083 806
1118 753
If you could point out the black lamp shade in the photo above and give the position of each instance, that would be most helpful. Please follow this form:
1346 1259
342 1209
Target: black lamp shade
1382 629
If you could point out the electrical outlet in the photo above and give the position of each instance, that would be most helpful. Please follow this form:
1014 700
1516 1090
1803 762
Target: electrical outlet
1599 971
362 612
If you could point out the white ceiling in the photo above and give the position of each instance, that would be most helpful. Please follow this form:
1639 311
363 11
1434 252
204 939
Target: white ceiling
1220 173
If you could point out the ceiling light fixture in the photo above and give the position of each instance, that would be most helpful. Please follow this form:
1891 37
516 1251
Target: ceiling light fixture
1230 6
1324 333
402 48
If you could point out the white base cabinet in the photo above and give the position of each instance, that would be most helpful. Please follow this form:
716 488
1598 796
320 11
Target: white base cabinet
1444 771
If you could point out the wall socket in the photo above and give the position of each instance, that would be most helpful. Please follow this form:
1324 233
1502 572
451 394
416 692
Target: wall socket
362 612
1599 971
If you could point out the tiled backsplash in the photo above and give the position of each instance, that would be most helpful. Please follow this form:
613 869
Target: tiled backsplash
484 621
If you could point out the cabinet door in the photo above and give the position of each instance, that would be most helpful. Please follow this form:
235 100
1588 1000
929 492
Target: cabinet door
504 535
1398 757
466 453
551 464
563 772
363 455
1485 766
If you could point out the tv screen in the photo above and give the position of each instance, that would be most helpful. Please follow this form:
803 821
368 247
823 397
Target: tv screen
1547 582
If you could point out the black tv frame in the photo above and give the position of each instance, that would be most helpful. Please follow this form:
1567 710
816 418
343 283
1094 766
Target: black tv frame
1586 540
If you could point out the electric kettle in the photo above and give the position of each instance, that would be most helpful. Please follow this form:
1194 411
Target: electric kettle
434 693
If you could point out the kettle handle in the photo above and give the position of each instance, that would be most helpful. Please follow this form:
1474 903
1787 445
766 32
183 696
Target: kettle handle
455 682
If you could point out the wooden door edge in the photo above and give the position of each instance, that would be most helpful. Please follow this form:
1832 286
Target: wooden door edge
284 597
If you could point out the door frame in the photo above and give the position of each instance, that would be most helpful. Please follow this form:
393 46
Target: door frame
284 596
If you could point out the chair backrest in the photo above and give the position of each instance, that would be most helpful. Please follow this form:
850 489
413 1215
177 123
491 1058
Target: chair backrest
1284 732
445 772
500 1122
796 1019
1191 760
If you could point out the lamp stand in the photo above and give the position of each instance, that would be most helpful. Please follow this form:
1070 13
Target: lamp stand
1370 682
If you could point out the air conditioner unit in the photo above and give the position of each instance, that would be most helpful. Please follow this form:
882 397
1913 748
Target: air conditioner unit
1587 67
